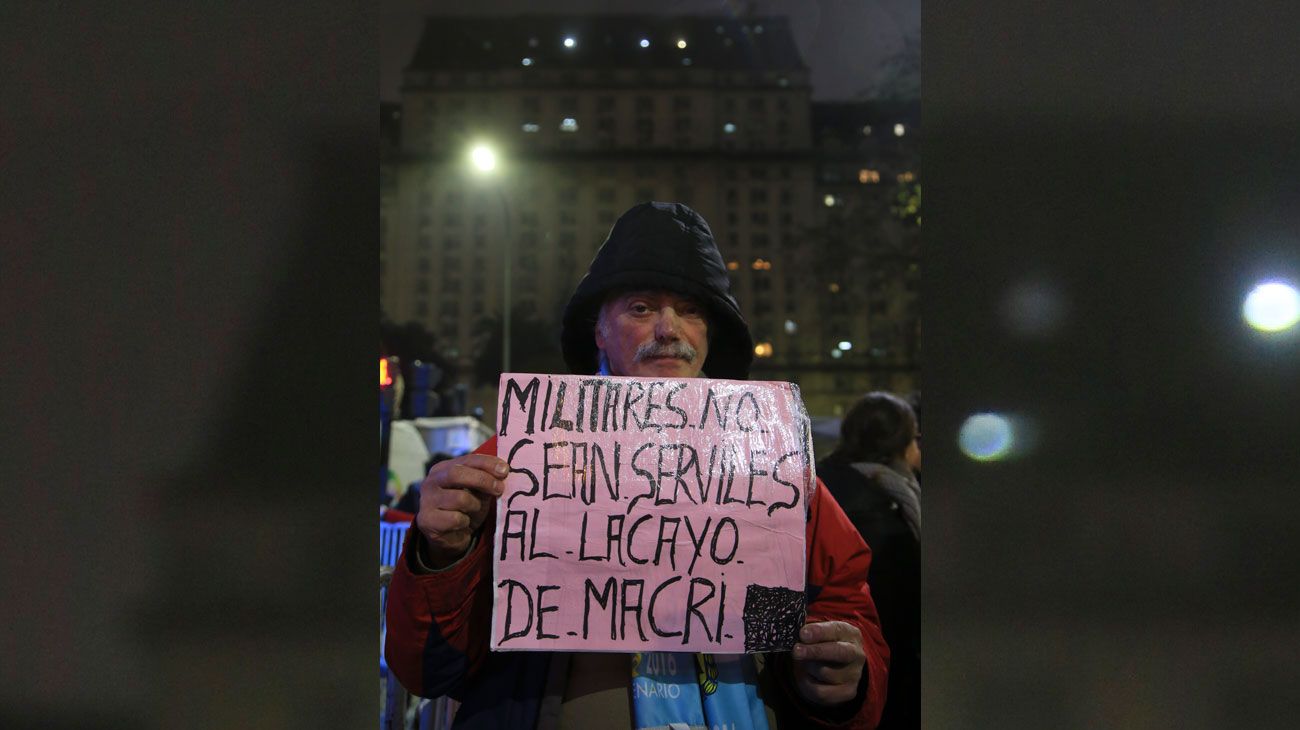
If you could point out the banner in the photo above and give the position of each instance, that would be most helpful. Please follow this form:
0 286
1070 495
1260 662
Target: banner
650 514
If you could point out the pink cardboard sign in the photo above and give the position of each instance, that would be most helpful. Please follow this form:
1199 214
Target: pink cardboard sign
645 514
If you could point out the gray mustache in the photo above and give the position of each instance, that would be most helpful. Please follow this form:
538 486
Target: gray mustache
654 348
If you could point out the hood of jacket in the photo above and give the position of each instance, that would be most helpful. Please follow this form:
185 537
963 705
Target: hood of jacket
660 246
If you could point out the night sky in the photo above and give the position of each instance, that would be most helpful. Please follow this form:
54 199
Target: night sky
844 42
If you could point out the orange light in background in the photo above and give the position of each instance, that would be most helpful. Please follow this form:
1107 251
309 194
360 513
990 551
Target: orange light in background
385 378
868 176
763 349
835 288
761 265
733 265
906 177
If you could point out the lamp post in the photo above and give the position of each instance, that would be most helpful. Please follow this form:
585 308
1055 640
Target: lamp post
484 160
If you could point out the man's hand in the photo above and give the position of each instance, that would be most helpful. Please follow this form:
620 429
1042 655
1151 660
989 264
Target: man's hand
828 662
454 501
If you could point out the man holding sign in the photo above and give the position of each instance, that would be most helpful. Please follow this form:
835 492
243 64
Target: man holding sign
649 516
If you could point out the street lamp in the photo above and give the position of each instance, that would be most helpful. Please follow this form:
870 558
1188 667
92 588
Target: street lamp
484 160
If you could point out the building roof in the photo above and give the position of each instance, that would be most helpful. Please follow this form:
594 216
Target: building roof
606 41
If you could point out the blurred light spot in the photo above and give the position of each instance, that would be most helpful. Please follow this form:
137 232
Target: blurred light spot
569 125
530 127
763 349
829 201
1272 306
783 82
1033 308
845 345
645 43
527 61
866 175
729 128
570 42
483 158
866 130
758 29
532 42
837 354
681 43
686 61
733 265
835 288
899 130
791 327
986 437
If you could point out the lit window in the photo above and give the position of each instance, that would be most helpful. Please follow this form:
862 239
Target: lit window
728 128
569 42
645 42
899 130
527 61
569 125
530 127
681 43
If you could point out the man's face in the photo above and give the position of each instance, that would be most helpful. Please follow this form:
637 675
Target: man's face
653 334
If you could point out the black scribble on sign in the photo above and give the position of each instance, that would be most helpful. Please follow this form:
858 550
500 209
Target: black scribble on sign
773 617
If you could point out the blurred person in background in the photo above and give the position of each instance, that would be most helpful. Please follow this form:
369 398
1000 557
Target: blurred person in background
872 474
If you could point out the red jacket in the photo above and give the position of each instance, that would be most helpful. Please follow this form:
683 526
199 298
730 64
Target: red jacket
438 626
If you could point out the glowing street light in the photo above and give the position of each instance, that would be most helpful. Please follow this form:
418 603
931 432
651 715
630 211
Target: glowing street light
1272 306
483 158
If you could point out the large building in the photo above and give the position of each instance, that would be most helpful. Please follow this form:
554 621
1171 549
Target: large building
588 116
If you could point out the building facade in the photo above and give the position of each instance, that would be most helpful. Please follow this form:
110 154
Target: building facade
586 117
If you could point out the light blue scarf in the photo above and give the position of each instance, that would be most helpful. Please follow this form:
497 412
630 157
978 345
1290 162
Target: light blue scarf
679 691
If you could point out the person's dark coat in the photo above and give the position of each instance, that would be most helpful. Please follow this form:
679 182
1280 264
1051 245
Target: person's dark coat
894 578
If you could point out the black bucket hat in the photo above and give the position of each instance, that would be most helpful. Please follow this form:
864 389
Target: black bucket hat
660 246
